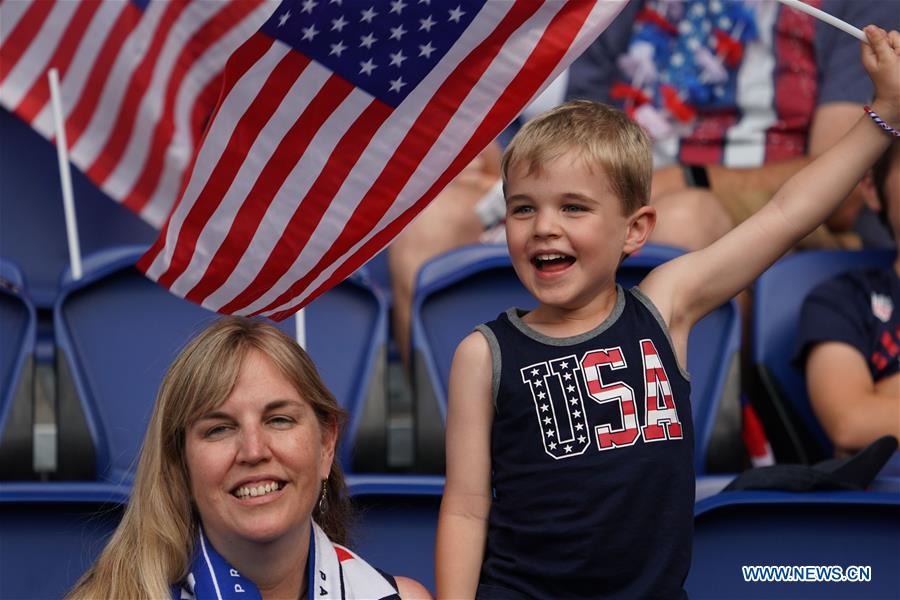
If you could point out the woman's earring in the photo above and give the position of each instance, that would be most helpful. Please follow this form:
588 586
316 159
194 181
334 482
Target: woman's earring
323 497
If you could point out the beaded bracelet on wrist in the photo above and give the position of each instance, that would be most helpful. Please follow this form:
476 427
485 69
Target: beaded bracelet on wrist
880 122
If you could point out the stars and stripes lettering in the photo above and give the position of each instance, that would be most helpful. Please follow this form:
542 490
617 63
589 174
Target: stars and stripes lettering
138 80
558 405
338 122
615 391
556 389
661 422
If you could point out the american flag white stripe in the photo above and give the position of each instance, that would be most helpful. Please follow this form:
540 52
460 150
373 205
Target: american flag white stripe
12 12
600 16
76 77
131 128
122 176
365 171
414 152
28 68
200 80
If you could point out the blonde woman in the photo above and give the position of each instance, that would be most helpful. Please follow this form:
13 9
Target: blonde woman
237 493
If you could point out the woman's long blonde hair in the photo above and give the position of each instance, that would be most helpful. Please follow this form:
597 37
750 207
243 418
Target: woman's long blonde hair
151 548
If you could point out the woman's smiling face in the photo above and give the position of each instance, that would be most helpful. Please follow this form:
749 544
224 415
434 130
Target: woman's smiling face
256 462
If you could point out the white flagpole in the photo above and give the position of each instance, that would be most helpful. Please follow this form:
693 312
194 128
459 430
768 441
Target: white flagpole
827 18
300 327
65 176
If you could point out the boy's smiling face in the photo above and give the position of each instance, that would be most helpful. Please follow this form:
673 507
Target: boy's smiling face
566 231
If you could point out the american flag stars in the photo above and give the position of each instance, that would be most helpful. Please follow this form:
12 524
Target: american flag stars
385 48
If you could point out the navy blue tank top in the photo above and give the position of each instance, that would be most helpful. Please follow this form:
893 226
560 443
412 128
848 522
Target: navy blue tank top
592 454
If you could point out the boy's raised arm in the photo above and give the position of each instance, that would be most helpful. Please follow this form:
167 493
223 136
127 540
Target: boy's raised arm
462 525
687 288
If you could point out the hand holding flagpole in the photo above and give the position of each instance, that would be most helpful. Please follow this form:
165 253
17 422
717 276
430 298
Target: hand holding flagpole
827 18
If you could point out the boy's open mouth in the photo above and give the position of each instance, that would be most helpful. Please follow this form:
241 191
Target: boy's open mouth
549 263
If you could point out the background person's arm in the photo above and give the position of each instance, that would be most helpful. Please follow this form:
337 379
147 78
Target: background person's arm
852 409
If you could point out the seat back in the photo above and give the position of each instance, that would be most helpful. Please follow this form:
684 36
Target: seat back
778 297
32 225
118 332
396 531
733 530
51 533
17 331
462 288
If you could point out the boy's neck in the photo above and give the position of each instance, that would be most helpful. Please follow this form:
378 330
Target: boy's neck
557 321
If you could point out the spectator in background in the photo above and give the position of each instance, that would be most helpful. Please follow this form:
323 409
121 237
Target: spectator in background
849 336
770 88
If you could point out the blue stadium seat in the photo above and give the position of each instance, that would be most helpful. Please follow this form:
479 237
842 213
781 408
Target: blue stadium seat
467 286
32 228
117 333
736 529
17 331
398 522
51 533
779 295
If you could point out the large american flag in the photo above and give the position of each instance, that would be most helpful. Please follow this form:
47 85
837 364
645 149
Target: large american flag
339 121
138 80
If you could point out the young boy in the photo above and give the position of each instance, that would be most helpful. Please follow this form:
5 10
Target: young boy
569 434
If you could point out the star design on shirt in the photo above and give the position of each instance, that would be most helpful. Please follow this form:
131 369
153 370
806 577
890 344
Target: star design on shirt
397 6
576 414
564 365
542 395
552 445
284 18
570 388
567 376
534 371
568 448
547 420
549 433
538 383
579 426
544 408
581 438
309 5
573 401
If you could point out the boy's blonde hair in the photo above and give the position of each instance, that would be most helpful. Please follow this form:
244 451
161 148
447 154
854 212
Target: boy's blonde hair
604 136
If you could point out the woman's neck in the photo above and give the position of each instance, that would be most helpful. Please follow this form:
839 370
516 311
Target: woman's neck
277 568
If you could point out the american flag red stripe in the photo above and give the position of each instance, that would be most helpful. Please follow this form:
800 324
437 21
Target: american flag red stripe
138 81
331 172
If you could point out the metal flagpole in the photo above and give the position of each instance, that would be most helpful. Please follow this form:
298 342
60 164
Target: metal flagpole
65 176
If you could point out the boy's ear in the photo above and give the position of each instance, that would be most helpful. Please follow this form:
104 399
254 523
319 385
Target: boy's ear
640 225
870 193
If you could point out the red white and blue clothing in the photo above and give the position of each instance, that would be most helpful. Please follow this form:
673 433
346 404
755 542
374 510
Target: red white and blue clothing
592 460
784 67
333 572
